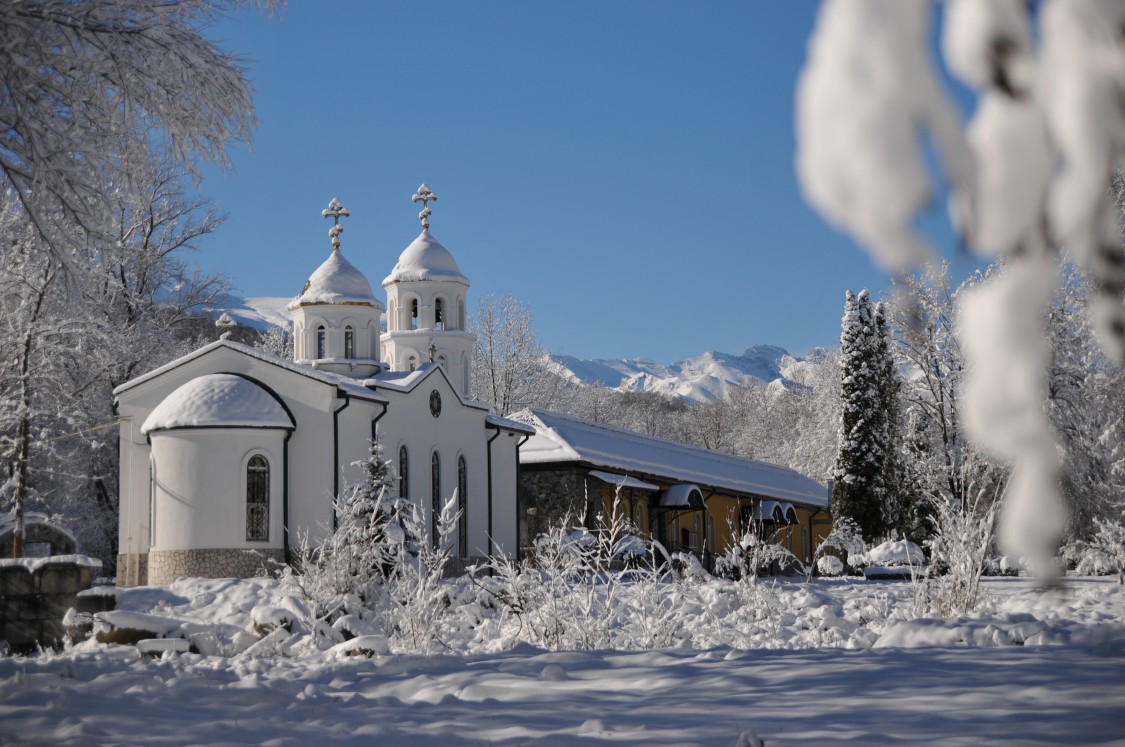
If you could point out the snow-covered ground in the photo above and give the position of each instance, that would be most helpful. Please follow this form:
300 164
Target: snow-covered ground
832 662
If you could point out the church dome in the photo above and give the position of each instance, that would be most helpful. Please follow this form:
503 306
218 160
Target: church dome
218 401
337 281
425 259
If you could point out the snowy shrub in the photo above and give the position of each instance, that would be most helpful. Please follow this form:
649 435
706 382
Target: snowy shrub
958 554
892 553
1103 554
753 556
830 565
845 537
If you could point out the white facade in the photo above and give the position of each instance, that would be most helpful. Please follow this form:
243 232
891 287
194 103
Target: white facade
231 448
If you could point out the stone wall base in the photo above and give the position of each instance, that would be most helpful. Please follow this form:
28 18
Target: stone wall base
132 569
165 566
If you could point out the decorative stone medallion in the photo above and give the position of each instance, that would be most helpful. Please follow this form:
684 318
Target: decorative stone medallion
435 403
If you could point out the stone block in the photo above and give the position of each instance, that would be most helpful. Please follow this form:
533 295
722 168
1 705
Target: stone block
11 607
54 606
61 577
20 634
16 579
92 603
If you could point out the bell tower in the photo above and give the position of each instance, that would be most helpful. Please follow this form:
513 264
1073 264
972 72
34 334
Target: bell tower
426 309
336 314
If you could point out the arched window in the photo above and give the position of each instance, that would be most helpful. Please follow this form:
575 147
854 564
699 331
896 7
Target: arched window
411 363
414 313
460 313
439 316
257 499
321 342
463 507
711 534
639 517
403 473
435 496
697 533
349 342
441 361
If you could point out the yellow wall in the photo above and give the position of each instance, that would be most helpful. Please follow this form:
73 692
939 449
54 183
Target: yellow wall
723 511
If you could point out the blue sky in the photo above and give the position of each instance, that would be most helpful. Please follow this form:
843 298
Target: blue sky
625 168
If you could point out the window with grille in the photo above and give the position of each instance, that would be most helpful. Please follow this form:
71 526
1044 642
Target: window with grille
257 499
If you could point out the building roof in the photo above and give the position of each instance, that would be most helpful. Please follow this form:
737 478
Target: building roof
425 259
351 386
218 401
336 281
561 439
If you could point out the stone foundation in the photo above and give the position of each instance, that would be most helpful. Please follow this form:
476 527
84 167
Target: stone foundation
165 566
132 569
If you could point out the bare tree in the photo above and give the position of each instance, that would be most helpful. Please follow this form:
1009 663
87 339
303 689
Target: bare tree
90 89
509 365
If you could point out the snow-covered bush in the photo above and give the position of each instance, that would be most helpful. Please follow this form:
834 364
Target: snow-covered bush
830 565
753 556
845 537
1103 554
893 553
959 555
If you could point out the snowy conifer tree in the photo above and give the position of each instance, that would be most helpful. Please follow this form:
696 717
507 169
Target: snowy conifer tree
860 489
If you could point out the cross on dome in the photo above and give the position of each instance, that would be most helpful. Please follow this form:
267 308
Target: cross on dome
336 211
425 196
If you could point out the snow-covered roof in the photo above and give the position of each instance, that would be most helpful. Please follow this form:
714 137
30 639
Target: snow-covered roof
8 520
623 481
683 495
218 400
425 259
353 387
337 281
561 438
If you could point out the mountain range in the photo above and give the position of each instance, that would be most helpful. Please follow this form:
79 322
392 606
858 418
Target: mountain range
702 378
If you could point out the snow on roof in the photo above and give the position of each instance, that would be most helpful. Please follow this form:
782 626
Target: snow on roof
561 438
218 400
34 517
336 281
508 424
425 259
348 384
683 495
623 481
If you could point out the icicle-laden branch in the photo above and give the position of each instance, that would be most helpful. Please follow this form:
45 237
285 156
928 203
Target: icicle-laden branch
1031 172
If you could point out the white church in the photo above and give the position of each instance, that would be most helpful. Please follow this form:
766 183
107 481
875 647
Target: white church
232 448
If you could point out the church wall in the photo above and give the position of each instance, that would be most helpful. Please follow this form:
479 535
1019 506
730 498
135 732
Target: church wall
505 478
311 466
200 487
457 431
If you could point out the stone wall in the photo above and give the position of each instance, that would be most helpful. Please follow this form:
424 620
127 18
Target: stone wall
132 569
548 497
35 596
165 566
